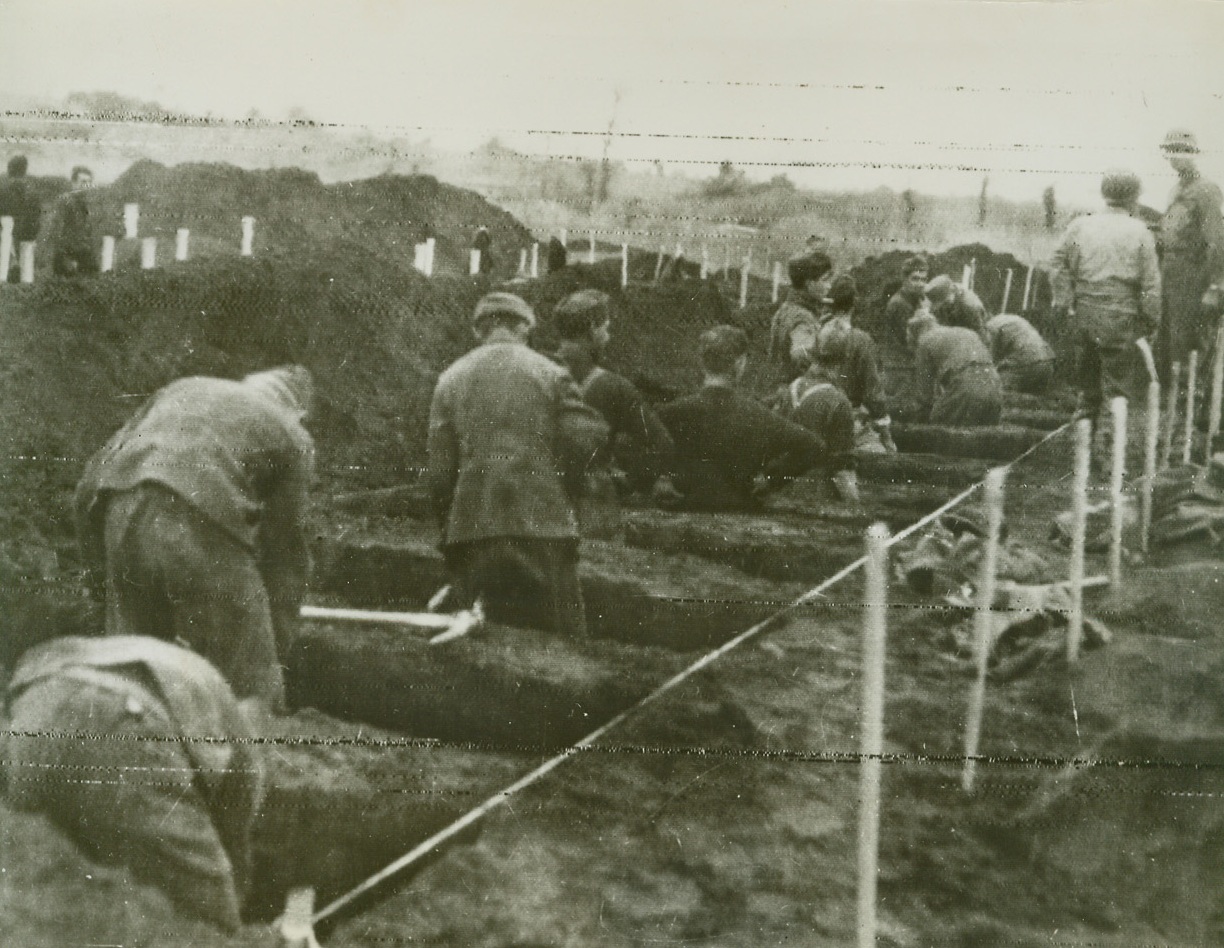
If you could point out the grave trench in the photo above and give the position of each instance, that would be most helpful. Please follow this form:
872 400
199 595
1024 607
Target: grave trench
442 727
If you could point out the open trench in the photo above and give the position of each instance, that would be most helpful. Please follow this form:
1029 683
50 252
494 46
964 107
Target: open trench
410 736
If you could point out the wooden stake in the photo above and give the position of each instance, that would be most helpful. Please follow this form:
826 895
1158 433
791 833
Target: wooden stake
966 276
565 238
181 239
131 221
982 619
248 240
744 271
972 273
1117 408
1006 291
1217 389
1149 463
659 265
1028 289
27 261
108 254
148 253
535 260
591 248
624 265
777 281
522 267
473 262
6 247
1079 531
871 747
705 262
1170 422
1191 381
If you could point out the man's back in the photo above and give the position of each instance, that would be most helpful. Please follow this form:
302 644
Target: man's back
215 443
1013 339
506 426
18 202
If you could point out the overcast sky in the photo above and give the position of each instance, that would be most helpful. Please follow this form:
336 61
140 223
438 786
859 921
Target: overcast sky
924 93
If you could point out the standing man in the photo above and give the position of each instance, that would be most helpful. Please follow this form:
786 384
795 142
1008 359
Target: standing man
74 250
905 302
1192 268
731 449
1107 287
510 439
793 331
139 751
193 514
484 244
17 202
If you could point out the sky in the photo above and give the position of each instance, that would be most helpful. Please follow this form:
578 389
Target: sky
929 94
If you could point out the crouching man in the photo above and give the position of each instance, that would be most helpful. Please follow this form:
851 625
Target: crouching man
954 376
510 439
139 751
193 515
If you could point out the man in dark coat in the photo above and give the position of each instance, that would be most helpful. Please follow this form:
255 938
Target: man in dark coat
793 329
193 516
139 751
954 376
855 363
510 439
1024 360
905 302
731 449
19 203
74 248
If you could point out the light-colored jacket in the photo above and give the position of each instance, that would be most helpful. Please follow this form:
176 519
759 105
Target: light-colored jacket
510 438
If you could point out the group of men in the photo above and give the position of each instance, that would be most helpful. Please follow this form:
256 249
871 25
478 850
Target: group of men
69 231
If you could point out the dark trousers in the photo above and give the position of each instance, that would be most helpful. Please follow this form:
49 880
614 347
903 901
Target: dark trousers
521 581
1106 371
972 397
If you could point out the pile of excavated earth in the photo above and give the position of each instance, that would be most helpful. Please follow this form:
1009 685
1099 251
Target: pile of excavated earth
724 812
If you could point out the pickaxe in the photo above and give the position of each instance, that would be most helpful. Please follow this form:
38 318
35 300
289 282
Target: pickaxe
452 625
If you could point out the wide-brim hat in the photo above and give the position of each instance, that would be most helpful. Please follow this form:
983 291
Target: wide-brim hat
1180 141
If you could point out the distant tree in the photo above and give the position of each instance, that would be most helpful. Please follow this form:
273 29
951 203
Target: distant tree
111 106
909 207
1051 207
729 181
983 201
780 182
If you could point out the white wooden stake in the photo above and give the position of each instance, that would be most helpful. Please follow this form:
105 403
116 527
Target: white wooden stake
1191 381
972 272
871 747
744 270
1170 422
591 248
659 265
131 221
108 254
777 280
705 262
565 238
1079 531
1217 390
966 276
248 239
1006 291
1028 289
522 268
6 247
1149 463
473 262
181 239
624 265
535 260
148 253
726 264
1118 409
27 261
982 619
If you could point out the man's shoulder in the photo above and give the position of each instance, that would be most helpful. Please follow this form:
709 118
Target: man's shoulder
1201 191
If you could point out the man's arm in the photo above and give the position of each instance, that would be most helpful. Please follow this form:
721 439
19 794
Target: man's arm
1063 262
581 431
787 449
442 448
284 560
1211 223
1149 285
926 381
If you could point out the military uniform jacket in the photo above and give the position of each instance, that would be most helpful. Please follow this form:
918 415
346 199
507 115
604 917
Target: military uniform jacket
509 441
1193 229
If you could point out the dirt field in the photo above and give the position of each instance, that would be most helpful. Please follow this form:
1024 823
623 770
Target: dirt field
723 813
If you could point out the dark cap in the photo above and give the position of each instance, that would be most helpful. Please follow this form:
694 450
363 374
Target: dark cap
809 266
580 312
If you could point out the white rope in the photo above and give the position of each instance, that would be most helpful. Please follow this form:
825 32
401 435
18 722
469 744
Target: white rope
423 848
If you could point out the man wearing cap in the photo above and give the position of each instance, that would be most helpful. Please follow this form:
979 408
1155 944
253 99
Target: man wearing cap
905 302
956 305
856 368
1024 359
1192 268
731 449
583 321
192 519
1107 289
793 330
954 376
139 751
510 440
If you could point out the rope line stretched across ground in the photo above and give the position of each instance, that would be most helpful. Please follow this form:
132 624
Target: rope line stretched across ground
502 796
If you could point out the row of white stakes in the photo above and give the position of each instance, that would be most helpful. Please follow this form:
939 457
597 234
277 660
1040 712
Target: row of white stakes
876 593
148 246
